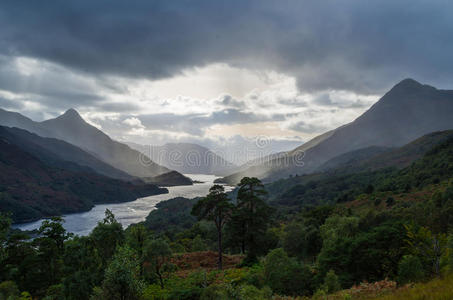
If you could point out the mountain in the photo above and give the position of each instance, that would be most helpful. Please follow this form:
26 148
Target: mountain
187 158
352 158
59 154
408 111
427 160
375 158
171 178
31 189
70 127
14 119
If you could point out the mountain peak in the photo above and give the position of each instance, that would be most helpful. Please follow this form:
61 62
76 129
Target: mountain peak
405 88
409 82
71 114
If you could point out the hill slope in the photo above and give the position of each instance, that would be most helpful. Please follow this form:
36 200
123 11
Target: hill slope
425 161
70 127
59 154
408 111
30 189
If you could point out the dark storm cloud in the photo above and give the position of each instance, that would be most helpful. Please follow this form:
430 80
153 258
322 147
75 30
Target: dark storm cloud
50 86
363 46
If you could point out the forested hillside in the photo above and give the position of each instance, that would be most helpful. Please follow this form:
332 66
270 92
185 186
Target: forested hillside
31 189
326 236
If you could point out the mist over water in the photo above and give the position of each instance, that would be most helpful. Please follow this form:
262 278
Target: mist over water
128 213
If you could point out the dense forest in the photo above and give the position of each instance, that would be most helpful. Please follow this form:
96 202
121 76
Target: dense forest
382 230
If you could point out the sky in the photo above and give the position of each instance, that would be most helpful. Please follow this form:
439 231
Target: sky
223 74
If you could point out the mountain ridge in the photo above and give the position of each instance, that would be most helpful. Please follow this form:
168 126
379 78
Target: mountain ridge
54 152
70 127
187 158
407 111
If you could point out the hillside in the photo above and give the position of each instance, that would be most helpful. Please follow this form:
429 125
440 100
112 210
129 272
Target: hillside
337 236
171 178
374 157
70 127
408 111
187 158
30 189
424 161
59 154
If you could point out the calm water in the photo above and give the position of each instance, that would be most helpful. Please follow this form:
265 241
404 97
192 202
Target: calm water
129 212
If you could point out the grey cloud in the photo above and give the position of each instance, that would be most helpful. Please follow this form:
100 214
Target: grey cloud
52 86
229 101
10 104
122 107
308 128
323 99
364 46
195 124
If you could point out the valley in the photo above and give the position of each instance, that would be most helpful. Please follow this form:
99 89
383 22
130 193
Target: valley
226 150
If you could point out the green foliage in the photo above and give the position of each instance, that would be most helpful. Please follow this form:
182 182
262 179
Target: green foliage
390 201
296 240
298 249
360 253
5 223
50 246
172 216
122 280
215 207
107 236
157 255
155 292
331 282
82 266
198 244
250 218
215 292
253 293
286 276
8 290
428 246
54 292
410 269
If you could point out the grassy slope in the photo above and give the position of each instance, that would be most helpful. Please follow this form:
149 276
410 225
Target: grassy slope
436 289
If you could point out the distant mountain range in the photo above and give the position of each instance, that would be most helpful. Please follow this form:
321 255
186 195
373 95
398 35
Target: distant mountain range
70 127
187 158
408 111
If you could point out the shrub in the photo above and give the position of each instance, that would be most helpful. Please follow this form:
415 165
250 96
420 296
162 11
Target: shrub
8 289
285 275
331 282
410 269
